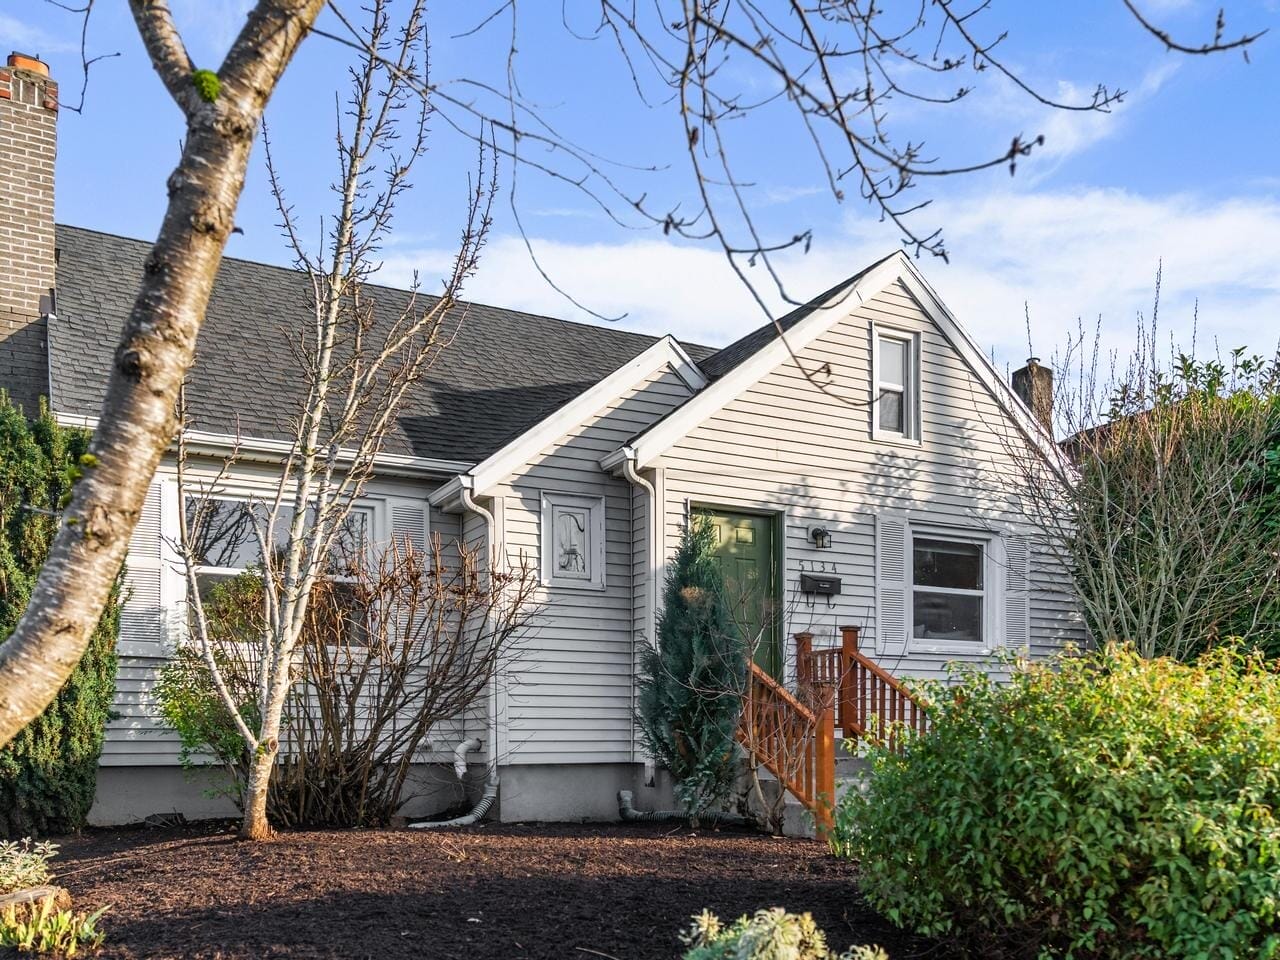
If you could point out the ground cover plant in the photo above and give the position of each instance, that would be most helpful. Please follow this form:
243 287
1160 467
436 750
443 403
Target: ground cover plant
48 929
1108 806
772 934
24 863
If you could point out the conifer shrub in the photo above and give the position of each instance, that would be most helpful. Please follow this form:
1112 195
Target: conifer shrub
1105 806
691 685
48 773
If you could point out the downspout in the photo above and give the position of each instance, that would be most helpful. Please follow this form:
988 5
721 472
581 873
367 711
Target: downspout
651 594
631 815
490 795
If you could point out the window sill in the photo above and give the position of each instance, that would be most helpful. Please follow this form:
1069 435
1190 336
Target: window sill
972 649
892 441
577 585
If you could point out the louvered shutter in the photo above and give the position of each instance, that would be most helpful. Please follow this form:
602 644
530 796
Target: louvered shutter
409 524
891 585
143 616
1017 591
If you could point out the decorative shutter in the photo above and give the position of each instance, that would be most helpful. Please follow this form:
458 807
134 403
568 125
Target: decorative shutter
891 585
142 616
409 524
1017 591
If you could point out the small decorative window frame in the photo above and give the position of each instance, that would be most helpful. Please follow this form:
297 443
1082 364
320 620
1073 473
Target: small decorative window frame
572 541
911 392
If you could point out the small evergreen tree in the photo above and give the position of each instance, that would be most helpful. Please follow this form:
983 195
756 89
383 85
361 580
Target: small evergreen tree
691 686
48 773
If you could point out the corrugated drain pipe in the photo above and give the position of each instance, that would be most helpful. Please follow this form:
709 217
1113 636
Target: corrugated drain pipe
490 795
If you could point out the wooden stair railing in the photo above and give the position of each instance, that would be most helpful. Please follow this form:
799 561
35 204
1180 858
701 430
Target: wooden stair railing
870 703
793 741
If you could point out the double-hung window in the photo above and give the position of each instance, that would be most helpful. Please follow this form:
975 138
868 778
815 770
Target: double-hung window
226 535
948 590
896 390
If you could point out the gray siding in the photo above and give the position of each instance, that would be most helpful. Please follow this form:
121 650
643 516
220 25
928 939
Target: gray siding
785 445
571 698
152 615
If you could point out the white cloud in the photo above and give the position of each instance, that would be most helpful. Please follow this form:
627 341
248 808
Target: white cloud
1067 255
16 35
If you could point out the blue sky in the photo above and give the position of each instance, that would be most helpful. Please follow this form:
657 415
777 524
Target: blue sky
1185 170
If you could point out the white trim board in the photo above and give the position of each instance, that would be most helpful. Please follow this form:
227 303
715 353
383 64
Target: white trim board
664 434
498 466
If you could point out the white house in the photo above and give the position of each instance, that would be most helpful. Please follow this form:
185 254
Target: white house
869 445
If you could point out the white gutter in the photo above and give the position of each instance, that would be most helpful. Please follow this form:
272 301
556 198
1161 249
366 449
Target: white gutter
628 464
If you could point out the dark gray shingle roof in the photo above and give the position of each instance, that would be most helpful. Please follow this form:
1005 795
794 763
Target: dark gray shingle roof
722 361
504 372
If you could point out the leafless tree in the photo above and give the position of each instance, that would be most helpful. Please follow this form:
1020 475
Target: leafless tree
358 363
838 64
405 641
1157 506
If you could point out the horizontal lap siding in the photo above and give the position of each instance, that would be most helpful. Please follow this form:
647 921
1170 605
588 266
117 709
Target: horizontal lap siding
136 736
570 698
784 444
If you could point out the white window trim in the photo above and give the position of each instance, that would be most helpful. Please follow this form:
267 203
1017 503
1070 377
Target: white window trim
911 390
992 591
595 506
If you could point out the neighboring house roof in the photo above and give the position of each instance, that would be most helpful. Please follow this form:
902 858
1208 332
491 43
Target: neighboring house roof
504 373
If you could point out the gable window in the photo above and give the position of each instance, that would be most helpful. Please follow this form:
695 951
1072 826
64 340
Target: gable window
572 544
895 397
948 590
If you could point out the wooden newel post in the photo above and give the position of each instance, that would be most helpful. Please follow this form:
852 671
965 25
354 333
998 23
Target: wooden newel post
804 660
825 774
848 677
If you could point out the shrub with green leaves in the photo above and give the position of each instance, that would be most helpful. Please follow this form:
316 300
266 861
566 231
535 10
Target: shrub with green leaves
48 772
691 686
770 934
24 864
1105 806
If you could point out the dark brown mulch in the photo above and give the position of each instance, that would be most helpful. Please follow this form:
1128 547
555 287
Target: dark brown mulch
494 891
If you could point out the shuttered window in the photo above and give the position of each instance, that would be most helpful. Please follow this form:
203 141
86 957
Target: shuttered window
947 592
143 615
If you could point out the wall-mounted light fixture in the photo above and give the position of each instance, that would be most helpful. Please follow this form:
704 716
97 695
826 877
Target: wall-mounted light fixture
820 537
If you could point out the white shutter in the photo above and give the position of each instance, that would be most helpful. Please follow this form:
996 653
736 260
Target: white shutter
409 524
891 585
142 617
1017 591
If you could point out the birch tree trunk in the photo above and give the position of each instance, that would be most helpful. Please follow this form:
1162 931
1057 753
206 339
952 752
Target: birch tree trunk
138 418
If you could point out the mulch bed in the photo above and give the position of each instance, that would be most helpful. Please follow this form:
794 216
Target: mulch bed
508 891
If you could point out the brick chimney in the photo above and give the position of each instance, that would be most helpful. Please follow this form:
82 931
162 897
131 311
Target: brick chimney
28 144
1034 386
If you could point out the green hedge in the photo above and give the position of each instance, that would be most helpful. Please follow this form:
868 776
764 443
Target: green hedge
1107 806
49 771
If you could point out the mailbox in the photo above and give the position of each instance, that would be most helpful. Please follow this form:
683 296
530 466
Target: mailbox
819 584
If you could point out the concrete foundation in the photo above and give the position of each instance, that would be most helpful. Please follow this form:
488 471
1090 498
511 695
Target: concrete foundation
128 795
576 792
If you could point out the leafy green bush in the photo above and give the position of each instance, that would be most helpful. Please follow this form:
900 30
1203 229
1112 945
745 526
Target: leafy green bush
49 930
691 685
769 935
48 773
24 864
1105 806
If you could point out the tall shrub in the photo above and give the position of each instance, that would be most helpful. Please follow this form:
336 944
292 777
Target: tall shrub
49 771
1108 806
691 685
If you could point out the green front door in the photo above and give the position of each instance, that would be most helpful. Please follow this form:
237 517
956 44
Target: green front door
745 549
